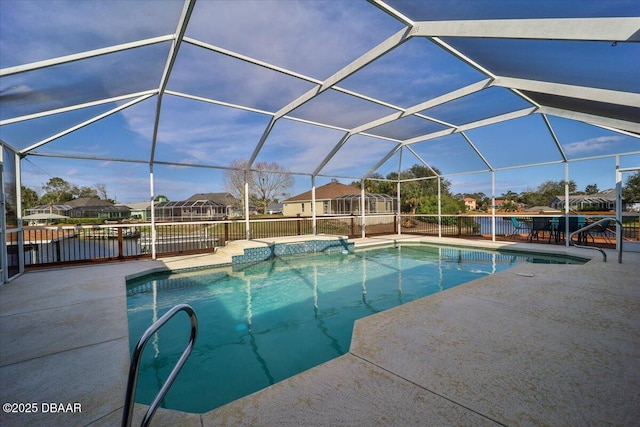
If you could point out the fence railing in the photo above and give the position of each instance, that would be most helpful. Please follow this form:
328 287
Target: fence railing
47 245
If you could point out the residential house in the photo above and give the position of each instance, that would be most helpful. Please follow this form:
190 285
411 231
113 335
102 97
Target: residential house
470 203
274 209
85 207
201 207
338 199
189 210
603 201
543 210
60 209
233 206
140 210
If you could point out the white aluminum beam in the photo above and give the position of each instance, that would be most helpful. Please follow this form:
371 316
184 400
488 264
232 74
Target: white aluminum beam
389 44
620 131
215 102
555 137
84 124
383 160
459 93
497 119
250 60
419 157
283 70
333 152
588 29
76 107
83 55
628 99
592 119
187 9
479 123
391 11
477 151
86 157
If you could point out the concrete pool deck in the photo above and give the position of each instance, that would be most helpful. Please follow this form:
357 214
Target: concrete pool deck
559 345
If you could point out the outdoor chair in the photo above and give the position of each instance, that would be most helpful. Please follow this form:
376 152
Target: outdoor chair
601 230
519 226
574 225
539 226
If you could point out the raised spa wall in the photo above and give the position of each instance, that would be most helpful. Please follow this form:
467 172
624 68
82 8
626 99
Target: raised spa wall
292 248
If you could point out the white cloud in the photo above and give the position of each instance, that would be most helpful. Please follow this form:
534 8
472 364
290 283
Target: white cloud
592 145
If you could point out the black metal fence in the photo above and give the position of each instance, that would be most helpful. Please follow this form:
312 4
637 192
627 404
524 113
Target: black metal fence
68 244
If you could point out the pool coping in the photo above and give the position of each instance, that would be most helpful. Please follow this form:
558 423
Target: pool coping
101 413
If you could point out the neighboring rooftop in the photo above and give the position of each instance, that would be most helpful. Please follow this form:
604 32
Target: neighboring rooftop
329 191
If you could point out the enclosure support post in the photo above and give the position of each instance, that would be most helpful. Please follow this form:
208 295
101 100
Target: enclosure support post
493 206
247 225
20 241
153 212
399 218
440 211
314 230
619 229
362 207
566 203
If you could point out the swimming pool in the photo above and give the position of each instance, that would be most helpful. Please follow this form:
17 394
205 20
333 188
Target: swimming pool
264 322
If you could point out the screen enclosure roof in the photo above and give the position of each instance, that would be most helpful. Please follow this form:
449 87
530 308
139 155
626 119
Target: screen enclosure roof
325 88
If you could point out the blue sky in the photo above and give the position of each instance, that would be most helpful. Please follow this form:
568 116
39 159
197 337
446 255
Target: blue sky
315 39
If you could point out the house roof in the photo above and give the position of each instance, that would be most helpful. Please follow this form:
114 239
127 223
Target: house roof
608 195
328 191
138 206
545 209
89 202
221 198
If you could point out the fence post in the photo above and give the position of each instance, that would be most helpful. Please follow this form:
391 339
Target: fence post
57 249
120 251
459 218
226 232
298 226
353 226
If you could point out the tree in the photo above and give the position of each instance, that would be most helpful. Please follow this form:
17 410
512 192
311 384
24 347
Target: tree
29 197
377 185
101 191
591 189
57 190
546 193
413 193
267 182
85 192
631 188
511 196
270 180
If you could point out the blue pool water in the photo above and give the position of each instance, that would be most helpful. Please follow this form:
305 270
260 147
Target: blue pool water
264 322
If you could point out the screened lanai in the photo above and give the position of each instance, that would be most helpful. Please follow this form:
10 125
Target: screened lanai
163 97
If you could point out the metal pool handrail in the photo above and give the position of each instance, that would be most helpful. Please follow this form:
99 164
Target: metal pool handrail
135 364
587 227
